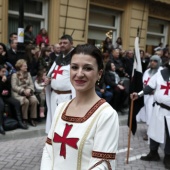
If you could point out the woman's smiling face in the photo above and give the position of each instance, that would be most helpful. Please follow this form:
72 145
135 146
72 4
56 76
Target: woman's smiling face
84 72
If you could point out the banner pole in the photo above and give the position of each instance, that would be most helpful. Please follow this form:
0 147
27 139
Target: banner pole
130 128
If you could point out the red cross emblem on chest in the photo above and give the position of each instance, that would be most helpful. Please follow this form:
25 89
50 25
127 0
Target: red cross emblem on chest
64 140
167 88
58 71
146 81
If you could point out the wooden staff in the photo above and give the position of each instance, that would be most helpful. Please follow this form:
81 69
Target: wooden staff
130 128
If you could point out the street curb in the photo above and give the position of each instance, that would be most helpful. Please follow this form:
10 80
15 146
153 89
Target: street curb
39 130
31 132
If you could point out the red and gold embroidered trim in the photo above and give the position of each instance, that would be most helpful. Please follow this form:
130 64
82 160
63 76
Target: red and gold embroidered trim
49 141
100 162
82 119
103 155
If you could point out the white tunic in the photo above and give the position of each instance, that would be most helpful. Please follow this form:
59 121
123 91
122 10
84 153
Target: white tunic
156 129
76 143
60 80
145 113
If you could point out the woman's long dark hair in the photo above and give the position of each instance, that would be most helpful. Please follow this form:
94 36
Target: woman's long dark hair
4 47
28 27
28 54
108 66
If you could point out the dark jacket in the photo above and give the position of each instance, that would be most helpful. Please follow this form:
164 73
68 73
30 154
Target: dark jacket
128 65
100 84
12 57
110 80
5 86
3 59
33 65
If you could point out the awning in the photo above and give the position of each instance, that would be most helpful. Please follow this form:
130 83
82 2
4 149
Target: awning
164 1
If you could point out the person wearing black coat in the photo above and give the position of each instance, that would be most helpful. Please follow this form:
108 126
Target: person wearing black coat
12 53
5 97
112 80
3 54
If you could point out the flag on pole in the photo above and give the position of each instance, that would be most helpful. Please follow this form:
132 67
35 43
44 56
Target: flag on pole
136 85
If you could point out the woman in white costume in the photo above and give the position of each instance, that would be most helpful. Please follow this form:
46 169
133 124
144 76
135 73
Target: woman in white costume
85 131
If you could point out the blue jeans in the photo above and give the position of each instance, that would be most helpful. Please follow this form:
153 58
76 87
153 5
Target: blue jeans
107 95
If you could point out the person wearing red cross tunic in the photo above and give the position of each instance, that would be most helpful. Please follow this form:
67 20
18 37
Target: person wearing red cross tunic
85 130
145 113
159 125
59 88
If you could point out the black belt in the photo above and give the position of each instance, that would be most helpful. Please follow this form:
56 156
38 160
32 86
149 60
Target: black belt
162 105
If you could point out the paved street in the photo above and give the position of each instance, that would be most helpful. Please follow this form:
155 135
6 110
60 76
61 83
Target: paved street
25 154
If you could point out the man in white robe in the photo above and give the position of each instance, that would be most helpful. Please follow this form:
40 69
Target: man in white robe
159 126
145 112
59 88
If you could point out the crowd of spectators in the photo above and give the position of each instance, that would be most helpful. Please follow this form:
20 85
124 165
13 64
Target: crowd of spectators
26 73
115 82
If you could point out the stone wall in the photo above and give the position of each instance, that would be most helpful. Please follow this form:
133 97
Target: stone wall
3 21
73 19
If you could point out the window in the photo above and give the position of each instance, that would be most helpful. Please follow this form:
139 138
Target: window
35 13
157 32
103 22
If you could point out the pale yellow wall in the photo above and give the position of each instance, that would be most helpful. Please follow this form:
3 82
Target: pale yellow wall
53 21
76 21
3 21
0 20
133 17
125 33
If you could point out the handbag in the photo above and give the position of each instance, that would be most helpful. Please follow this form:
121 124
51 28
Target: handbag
10 124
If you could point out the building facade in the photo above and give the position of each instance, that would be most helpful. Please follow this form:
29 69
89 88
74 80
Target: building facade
92 20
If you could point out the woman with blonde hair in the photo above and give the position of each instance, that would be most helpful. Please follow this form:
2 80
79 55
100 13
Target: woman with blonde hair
23 90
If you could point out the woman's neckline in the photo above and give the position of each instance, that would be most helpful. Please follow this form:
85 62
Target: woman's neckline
84 118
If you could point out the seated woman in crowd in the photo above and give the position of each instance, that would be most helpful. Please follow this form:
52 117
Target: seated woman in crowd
5 97
116 86
23 90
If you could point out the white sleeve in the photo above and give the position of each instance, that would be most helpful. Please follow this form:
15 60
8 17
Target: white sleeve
105 141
